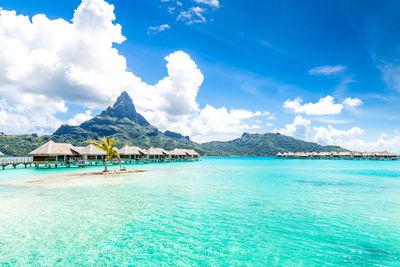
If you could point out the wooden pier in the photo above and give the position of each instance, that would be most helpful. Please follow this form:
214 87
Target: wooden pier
26 161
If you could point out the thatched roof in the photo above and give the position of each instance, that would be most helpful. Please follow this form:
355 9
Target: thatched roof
131 150
89 150
1 154
345 154
191 152
156 151
383 154
53 149
279 154
325 154
178 152
368 154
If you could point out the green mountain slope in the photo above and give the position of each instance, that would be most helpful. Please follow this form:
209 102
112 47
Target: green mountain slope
127 127
265 145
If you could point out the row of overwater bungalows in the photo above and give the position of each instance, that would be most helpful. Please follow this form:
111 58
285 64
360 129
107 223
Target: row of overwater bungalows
63 154
338 155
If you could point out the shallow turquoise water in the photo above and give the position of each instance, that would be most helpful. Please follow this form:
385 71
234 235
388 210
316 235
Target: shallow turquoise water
220 211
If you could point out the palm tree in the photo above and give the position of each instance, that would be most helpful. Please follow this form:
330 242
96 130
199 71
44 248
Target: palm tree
107 144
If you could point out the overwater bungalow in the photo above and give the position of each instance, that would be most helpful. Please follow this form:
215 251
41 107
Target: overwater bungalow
302 155
339 155
131 153
193 155
368 155
178 154
157 154
90 154
325 155
54 153
345 155
385 155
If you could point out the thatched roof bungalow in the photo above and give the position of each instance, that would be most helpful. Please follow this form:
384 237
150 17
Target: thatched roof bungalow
325 155
90 152
384 155
368 155
178 153
192 153
52 151
345 155
131 152
156 153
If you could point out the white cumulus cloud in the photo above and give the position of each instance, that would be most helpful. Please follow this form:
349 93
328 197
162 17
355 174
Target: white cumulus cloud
353 102
79 118
351 138
325 106
298 129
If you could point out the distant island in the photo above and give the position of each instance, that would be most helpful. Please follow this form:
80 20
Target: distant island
123 123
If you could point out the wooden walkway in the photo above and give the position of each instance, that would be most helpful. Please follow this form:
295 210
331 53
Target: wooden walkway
26 161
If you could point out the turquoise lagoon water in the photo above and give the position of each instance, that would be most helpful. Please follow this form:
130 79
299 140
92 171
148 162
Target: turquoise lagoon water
220 211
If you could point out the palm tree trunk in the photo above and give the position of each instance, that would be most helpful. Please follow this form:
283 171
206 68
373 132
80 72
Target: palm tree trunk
105 164
120 164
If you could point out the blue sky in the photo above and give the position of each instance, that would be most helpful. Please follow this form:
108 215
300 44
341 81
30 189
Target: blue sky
256 57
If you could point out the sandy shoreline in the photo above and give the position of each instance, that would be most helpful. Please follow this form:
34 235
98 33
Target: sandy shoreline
57 178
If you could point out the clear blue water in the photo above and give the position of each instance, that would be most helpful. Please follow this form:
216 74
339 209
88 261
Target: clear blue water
220 211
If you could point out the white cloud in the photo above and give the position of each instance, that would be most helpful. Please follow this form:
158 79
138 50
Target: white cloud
353 102
221 124
79 118
350 139
327 70
213 3
329 135
325 106
192 15
47 64
298 129
158 29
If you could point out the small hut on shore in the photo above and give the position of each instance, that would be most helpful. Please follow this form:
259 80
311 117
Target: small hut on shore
1 154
